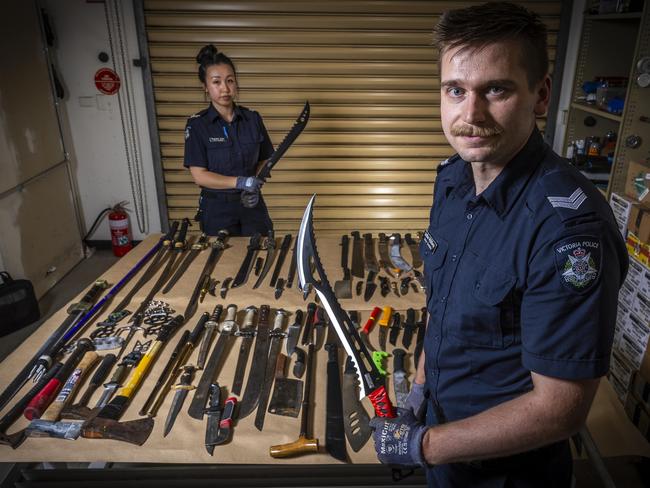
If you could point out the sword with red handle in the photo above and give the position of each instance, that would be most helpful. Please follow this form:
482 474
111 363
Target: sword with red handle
371 382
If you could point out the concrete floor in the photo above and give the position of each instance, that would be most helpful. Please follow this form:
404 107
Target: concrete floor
626 472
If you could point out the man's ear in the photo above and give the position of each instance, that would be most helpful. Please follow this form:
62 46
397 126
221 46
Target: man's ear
543 93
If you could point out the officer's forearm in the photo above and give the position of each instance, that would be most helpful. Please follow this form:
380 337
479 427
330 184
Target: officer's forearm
420 375
552 411
215 181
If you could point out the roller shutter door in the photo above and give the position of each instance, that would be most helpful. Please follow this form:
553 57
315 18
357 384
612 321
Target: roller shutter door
370 74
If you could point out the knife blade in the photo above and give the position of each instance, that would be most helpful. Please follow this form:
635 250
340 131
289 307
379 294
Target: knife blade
384 321
357 255
284 250
356 420
409 328
371 286
395 327
244 269
182 388
271 247
293 332
400 382
369 253
213 412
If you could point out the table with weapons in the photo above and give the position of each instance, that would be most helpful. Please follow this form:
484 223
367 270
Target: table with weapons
200 350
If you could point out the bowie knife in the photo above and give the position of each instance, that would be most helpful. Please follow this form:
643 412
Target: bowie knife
293 333
371 382
247 333
182 388
211 326
298 126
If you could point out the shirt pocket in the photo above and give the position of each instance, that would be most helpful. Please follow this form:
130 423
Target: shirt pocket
250 146
487 315
433 251
220 158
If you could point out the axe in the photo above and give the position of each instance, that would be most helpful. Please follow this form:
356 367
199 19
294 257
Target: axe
47 425
106 424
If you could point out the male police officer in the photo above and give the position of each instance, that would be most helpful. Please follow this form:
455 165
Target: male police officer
523 263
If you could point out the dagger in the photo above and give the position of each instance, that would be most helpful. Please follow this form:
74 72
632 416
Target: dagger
271 248
371 383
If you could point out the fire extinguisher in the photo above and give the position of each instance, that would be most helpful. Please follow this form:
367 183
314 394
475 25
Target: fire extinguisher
118 221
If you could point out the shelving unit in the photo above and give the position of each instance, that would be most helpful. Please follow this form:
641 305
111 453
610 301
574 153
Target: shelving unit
610 46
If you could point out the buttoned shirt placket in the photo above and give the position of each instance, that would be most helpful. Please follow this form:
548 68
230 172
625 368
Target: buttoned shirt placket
473 208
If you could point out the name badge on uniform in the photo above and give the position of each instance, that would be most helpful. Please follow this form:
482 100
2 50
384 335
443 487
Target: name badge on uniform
430 242
216 139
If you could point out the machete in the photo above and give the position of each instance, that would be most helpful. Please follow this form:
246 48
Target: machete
371 382
298 126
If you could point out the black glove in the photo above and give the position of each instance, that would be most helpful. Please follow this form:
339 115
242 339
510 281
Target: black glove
398 441
250 200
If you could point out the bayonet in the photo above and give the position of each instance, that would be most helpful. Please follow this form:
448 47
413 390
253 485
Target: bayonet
244 269
212 369
270 246
247 333
198 246
180 393
370 381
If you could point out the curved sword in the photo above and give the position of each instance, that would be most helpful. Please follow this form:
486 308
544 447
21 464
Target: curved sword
371 382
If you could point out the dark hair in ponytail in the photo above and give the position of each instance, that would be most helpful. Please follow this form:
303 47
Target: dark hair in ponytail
208 56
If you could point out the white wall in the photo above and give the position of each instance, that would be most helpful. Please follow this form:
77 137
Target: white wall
95 142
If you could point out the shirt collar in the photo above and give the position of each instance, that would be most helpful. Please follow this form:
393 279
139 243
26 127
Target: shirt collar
213 114
506 187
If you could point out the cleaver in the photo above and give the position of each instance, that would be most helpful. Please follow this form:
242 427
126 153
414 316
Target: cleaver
287 392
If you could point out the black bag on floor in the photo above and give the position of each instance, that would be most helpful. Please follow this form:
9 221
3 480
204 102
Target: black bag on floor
18 304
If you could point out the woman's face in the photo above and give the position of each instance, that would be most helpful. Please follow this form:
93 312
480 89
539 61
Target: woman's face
221 85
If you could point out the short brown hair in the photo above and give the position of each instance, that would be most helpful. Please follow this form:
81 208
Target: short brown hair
476 27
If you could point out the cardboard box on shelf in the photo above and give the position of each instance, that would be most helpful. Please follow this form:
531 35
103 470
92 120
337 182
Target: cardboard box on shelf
621 206
645 364
637 182
621 371
641 389
639 222
637 249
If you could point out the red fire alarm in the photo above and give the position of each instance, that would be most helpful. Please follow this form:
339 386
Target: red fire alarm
107 81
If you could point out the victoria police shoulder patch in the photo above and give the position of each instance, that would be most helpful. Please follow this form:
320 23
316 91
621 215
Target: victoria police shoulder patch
578 261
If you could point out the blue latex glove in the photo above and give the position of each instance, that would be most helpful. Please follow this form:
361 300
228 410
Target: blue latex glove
249 184
250 200
398 441
415 400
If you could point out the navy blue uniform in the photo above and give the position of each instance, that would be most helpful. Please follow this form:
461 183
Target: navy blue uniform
521 278
230 149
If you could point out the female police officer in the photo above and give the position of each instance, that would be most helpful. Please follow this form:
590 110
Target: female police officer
225 144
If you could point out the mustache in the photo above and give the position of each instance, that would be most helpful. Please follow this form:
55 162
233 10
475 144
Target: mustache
475 131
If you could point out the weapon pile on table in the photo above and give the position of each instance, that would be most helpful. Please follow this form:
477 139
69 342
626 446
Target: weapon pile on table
217 400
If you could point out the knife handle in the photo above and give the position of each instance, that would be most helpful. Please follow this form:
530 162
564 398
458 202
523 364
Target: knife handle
371 320
398 359
386 316
381 403
228 410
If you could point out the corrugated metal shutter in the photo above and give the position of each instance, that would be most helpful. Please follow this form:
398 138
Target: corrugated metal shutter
369 71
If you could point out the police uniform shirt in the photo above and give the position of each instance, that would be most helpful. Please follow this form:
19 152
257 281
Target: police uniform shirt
521 278
230 149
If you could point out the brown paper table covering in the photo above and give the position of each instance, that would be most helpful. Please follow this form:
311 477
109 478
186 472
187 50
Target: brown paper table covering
611 430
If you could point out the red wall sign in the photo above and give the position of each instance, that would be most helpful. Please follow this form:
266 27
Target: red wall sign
107 81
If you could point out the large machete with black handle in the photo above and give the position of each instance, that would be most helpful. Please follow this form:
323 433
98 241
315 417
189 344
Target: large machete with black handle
265 172
371 382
